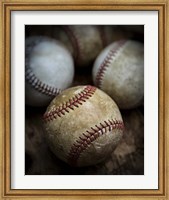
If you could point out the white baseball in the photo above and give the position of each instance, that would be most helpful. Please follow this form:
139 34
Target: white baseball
49 69
119 71
83 125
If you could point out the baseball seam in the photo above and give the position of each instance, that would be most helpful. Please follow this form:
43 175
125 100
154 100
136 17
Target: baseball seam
74 38
107 61
33 80
72 103
103 36
84 141
39 86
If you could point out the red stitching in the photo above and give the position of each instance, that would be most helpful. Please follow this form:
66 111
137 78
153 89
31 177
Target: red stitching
38 85
73 102
106 62
75 42
30 76
89 136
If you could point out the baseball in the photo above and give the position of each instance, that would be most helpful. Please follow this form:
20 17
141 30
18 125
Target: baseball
119 71
83 125
110 34
83 41
49 69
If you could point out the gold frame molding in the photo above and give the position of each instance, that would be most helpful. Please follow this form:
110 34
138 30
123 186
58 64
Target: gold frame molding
6 7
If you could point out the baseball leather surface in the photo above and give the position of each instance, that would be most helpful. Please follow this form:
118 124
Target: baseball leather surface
119 71
83 125
83 41
49 69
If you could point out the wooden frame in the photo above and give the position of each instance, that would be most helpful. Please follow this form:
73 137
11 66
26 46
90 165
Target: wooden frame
6 7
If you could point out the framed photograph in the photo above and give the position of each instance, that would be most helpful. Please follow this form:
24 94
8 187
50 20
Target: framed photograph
84 99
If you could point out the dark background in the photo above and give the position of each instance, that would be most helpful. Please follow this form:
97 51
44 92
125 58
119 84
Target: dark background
128 157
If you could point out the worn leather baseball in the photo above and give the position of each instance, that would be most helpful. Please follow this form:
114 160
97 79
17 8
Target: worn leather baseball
119 71
83 41
83 125
49 69
112 33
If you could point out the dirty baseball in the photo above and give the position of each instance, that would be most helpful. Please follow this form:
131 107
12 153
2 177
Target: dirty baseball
119 71
83 125
84 42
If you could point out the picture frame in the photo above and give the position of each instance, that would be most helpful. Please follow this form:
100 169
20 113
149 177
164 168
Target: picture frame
5 139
